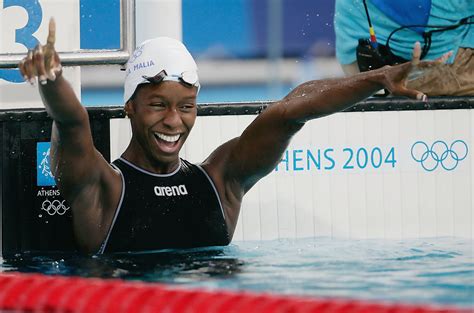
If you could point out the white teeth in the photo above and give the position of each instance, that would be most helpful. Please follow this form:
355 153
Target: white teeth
167 138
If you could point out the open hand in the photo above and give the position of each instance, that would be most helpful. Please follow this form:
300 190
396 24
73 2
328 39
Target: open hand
398 76
43 61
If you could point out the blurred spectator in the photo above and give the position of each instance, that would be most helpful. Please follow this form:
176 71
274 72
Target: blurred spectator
455 78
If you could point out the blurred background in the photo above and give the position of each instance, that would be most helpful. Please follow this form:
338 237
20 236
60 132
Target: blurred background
246 50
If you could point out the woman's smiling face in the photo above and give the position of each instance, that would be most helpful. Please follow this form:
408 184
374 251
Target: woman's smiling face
162 116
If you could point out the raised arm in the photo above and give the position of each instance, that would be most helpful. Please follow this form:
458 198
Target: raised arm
259 149
84 177
71 129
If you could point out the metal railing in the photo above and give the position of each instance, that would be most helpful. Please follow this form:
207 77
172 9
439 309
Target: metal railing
253 108
94 57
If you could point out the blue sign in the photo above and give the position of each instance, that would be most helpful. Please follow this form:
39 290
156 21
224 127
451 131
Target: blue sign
24 36
44 176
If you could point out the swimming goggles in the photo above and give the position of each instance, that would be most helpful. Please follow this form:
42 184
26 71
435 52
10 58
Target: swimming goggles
188 78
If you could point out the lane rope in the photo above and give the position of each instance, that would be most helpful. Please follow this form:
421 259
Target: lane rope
42 293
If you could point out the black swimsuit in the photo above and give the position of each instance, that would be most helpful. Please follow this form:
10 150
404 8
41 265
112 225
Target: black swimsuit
177 210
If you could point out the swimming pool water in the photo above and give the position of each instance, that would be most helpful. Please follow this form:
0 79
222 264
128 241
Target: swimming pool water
429 271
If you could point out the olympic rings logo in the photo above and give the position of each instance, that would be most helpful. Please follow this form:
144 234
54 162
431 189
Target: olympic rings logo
439 154
136 54
54 207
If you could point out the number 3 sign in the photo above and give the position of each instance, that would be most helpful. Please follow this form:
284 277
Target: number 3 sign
24 35
24 24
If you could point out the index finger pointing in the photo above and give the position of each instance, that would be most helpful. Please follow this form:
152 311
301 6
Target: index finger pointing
52 32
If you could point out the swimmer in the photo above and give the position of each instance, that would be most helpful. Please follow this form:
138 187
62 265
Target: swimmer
152 199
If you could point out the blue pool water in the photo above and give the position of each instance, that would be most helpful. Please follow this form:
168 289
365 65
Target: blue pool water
431 271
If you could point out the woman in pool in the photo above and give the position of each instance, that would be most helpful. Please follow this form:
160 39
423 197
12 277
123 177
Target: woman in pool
150 198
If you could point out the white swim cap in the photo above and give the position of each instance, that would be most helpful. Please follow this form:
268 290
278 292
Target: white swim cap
159 59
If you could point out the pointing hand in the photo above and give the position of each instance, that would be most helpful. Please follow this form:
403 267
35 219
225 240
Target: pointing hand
43 61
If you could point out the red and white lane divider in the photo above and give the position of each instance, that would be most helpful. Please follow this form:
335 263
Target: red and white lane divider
42 293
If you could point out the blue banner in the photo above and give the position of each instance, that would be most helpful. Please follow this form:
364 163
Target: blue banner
44 176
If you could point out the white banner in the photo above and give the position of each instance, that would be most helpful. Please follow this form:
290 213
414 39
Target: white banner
395 175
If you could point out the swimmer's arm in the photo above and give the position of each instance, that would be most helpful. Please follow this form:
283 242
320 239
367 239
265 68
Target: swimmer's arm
260 147
239 163
71 136
62 104
86 180
315 99
319 98
74 158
